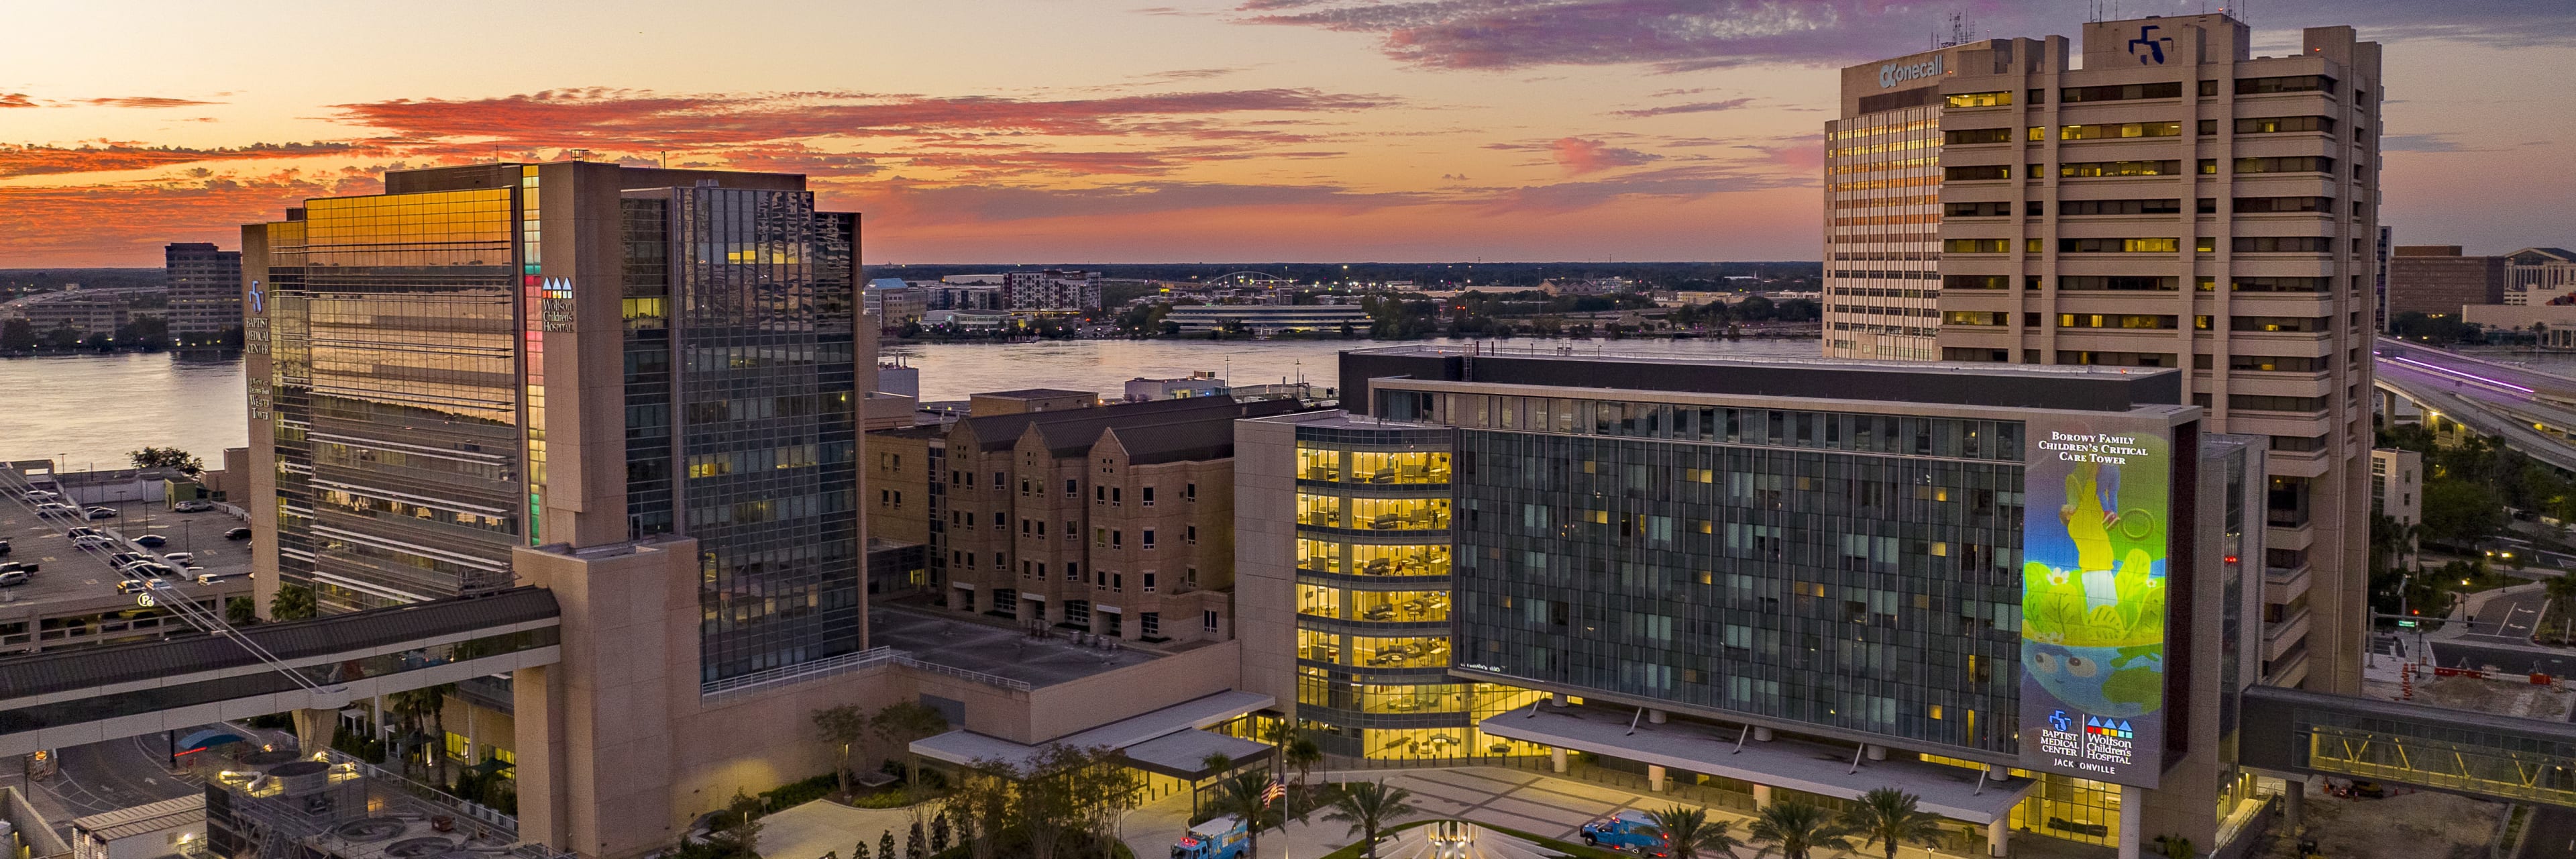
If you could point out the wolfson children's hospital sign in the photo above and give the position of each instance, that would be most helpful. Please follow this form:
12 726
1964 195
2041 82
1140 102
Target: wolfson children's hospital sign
2094 546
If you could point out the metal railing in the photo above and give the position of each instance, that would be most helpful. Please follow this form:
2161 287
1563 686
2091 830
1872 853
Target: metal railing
844 664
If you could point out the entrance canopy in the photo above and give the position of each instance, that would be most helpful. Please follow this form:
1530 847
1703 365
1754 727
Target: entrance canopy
1953 792
1166 741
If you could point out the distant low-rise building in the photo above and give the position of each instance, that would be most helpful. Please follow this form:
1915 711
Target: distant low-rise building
2438 280
1051 289
893 302
2538 275
84 311
1199 384
1268 318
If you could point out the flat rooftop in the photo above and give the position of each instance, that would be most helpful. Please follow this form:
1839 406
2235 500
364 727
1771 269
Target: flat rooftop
72 582
2043 386
1000 651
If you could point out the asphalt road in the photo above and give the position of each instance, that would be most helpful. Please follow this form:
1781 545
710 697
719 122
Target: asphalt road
103 777
2506 618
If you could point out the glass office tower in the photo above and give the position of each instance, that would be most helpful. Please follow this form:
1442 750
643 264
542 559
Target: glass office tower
429 391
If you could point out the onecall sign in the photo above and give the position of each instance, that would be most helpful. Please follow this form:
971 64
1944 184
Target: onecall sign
1896 73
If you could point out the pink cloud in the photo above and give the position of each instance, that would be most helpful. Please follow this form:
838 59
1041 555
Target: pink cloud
1579 156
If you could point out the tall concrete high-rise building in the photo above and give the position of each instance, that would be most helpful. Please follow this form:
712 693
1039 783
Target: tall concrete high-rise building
205 296
488 358
2171 201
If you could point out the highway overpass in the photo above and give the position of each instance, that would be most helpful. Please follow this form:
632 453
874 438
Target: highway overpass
2530 410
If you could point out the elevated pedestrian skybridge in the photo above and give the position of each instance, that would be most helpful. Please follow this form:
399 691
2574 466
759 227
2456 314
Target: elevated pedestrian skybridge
74 696
2454 751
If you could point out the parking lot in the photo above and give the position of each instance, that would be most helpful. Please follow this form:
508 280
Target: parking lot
72 597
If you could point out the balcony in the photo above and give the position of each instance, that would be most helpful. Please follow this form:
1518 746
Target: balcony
2283 585
2289 634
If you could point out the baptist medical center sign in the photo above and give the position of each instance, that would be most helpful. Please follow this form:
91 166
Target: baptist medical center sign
2094 550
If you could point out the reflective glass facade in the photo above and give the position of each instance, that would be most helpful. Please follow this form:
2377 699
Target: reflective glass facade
761 318
1852 571
395 393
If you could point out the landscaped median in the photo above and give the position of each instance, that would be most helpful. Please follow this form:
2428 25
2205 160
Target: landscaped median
1562 848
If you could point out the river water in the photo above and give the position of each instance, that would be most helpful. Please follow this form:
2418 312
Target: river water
88 409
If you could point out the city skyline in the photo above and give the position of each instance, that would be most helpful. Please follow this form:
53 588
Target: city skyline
1272 129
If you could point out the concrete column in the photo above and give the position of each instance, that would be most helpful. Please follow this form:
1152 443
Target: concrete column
1556 699
1761 734
315 728
384 725
1655 778
545 806
1654 717
1875 753
1761 796
2294 804
1556 760
2133 819
1996 831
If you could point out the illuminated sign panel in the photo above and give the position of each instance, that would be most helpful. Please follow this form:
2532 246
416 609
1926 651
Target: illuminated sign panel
2094 551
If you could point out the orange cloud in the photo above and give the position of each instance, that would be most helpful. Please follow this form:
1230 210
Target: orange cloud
43 160
1579 156
145 101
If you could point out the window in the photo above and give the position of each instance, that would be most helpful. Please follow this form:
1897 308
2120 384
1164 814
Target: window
1189 492
2274 363
2037 96
1190 534
1189 577
2208 126
1149 582
1147 538
2292 83
1149 496
1976 246
1971 174
1964 136
2139 283
2088 169
2124 246
1974 317
2115 131
2116 359
1070 490
1116 537
2165 206
2209 88
998 522
2284 245
2264 403
2113 320
1072 571
2290 164
1976 210
1208 619
1980 99
1117 583
1071 530
2120 92
1976 281
2035 133
2259 205
1117 496
885 498
458 747
2284 124
2205 244
2293 324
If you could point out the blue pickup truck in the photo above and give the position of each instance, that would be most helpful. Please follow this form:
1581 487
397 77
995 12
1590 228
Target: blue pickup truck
1631 831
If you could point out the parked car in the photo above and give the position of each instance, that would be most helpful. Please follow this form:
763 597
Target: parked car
237 534
41 495
20 566
56 508
124 558
193 506
83 531
151 540
4 548
92 541
146 570
179 557
137 585
102 512
211 578
13 578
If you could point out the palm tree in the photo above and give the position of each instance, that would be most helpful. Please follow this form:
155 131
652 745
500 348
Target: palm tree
1246 795
1303 754
1793 828
1689 834
1888 816
1368 807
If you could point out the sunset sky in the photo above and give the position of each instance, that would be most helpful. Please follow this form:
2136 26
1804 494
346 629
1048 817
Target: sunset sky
985 131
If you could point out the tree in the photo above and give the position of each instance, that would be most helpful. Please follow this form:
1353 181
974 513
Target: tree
293 602
1303 754
1246 795
16 335
241 611
1047 804
2177 847
1793 829
885 845
1887 817
167 457
843 727
2461 512
739 837
423 712
939 834
1689 834
1369 806
983 805
902 722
